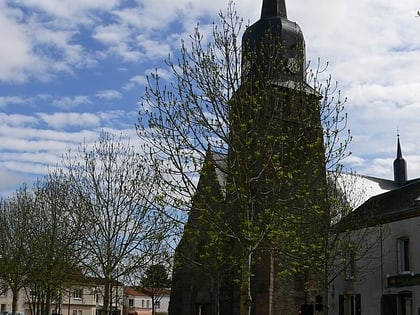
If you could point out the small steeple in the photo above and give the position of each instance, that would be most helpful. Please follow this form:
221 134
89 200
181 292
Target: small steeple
273 8
400 166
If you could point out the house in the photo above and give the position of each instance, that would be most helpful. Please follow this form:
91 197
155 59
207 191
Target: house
139 302
386 278
85 297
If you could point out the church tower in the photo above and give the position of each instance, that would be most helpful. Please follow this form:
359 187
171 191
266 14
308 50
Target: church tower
274 37
271 193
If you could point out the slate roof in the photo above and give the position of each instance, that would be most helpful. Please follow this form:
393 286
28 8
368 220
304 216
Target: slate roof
397 204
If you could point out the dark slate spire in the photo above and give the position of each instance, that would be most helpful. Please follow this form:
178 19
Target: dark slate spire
400 166
271 37
273 8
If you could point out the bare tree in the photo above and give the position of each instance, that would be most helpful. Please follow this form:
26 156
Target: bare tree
117 201
15 222
54 245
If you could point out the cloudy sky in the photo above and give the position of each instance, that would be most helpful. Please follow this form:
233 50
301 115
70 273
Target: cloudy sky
71 68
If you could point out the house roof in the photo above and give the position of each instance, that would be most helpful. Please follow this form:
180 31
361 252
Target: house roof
143 292
133 292
394 205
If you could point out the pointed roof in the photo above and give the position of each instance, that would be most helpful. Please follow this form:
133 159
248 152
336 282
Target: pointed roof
273 8
400 166
399 154
276 27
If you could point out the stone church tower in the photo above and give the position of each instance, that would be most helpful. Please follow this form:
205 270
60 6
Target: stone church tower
276 160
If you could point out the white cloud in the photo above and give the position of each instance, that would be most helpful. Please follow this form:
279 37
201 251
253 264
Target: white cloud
112 34
373 48
136 81
64 120
12 100
153 49
16 120
109 94
76 10
16 49
71 102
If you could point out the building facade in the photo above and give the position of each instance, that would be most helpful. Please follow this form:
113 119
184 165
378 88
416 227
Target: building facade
84 298
386 278
139 302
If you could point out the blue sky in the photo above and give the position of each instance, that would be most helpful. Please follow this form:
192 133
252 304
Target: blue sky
71 68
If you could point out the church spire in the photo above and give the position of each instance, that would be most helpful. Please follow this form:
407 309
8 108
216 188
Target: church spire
400 166
273 8
274 46
399 153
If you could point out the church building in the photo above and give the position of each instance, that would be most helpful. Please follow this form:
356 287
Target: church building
243 245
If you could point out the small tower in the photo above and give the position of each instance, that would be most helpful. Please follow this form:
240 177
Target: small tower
400 166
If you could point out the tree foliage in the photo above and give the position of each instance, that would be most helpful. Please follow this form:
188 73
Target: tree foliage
156 283
229 118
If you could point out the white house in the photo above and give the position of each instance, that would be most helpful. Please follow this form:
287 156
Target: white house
386 279
139 302
82 298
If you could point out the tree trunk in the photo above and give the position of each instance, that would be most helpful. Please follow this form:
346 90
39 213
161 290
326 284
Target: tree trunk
15 293
246 297
106 308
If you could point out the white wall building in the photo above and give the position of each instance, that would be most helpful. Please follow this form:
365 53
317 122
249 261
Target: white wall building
386 279
139 302
84 298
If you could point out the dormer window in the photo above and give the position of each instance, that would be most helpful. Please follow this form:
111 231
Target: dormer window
403 248
77 293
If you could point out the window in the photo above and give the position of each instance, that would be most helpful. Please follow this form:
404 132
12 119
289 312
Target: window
77 294
3 290
349 261
401 303
403 247
404 302
130 302
349 304
157 304
142 303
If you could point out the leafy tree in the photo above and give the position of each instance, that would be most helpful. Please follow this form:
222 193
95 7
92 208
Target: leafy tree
116 197
228 116
246 118
156 282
